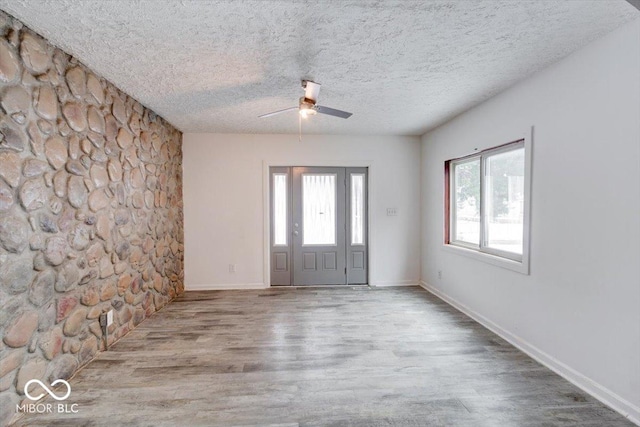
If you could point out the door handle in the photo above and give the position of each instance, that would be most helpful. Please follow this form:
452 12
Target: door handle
295 233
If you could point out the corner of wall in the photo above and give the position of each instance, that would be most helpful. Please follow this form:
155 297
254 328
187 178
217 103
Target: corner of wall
621 405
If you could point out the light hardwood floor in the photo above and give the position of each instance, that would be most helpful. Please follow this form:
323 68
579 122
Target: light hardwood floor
328 356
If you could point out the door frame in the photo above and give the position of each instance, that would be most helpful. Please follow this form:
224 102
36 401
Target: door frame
266 202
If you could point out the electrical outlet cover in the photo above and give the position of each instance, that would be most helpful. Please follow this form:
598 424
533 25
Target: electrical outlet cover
109 317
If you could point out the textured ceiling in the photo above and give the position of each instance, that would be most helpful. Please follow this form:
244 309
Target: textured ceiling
402 67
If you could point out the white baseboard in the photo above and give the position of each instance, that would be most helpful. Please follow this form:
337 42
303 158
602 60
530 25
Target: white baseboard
224 287
240 286
394 284
606 396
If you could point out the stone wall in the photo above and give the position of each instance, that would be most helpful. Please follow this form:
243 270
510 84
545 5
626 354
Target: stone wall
90 212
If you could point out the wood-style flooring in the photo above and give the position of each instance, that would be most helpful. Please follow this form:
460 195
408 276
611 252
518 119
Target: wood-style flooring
320 356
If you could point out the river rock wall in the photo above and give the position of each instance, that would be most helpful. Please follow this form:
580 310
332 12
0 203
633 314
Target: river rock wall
91 214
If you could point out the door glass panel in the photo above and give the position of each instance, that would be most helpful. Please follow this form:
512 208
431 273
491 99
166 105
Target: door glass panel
319 209
280 209
504 203
357 209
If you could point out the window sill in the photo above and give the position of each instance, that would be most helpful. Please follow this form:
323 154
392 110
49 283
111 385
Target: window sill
517 266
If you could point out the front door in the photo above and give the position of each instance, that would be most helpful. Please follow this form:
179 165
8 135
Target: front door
319 256
318 226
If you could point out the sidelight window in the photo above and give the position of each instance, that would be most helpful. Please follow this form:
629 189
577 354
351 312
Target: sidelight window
357 209
280 208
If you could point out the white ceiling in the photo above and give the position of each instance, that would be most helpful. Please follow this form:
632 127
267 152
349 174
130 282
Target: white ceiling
402 67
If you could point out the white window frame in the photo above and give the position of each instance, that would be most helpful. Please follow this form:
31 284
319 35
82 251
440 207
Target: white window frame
452 204
504 259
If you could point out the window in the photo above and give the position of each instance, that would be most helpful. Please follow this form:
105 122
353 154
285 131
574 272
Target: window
357 209
280 209
319 199
487 201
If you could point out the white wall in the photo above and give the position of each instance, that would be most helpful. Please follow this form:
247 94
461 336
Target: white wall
579 309
224 183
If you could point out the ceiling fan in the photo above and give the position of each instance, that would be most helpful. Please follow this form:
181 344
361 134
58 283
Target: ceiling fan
308 104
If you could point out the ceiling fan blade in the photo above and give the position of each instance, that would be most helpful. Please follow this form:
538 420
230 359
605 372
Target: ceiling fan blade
333 112
278 112
312 90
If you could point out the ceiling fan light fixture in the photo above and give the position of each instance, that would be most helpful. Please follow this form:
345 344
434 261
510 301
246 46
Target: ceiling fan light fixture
307 110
